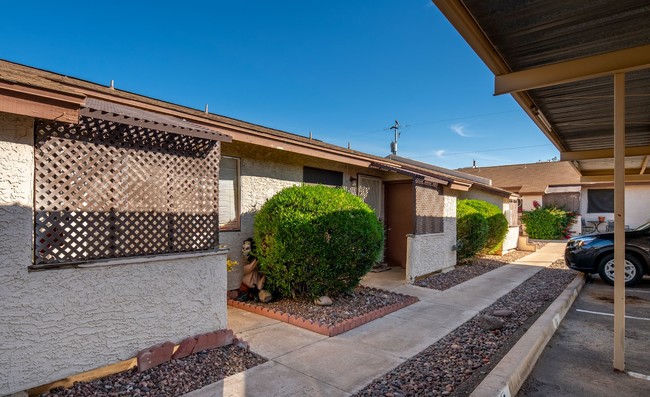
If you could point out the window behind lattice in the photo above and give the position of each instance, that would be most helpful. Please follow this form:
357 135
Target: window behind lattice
229 193
109 190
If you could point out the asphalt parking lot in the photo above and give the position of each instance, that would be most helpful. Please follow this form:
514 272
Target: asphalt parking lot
578 359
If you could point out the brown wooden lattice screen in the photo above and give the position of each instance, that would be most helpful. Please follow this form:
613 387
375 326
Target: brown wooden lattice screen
109 190
429 208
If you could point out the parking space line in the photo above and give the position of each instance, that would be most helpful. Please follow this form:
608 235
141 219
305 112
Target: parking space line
637 375
611 315
637 290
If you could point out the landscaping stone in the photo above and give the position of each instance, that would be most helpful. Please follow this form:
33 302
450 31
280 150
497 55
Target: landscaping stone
502 313
323 301
490 323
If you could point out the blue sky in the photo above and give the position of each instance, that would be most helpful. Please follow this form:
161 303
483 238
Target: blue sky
343 70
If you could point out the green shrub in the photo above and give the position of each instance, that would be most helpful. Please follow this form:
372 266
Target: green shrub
471 229
316 240
548 223
497 224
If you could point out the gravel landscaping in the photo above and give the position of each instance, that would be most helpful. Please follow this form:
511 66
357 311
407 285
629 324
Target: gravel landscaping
457 363
471 268
360 301
174 378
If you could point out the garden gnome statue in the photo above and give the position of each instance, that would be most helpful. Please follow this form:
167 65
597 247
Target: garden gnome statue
253 279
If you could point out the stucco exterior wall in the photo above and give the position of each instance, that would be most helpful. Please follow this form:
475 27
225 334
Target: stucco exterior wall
428 253
510 242
477 194
264 172
527 201
637 206
57 323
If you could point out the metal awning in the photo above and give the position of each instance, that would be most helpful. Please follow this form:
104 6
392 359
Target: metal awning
118 113
563 189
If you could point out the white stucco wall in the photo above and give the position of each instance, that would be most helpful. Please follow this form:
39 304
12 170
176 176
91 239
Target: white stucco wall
527 201
428 253
57 323
637 206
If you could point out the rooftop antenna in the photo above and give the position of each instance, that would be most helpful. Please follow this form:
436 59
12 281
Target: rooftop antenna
393 145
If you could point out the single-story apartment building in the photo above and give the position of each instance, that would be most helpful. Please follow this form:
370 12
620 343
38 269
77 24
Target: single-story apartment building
117 208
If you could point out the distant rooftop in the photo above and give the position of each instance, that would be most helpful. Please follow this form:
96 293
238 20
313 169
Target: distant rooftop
531 178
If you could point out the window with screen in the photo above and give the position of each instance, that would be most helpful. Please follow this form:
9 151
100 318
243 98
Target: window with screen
320 176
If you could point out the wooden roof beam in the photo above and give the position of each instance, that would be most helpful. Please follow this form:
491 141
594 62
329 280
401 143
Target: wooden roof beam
626 60
595 154
610 178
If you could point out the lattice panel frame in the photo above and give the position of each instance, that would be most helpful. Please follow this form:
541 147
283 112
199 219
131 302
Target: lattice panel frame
108 190
429 209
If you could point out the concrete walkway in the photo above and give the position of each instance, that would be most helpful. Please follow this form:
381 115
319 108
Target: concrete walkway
303 363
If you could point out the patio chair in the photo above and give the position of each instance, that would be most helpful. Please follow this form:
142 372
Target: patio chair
610 226
586 228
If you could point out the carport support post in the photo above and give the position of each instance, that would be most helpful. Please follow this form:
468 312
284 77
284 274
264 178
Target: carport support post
619 221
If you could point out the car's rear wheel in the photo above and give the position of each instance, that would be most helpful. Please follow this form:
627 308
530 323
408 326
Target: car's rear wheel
633 270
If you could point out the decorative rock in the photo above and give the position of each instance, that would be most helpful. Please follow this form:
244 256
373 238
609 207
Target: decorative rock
241 344
323 301
503 313
233 294
490 323
265 296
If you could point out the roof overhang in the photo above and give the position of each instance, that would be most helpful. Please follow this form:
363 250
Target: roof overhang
34 102
557 60
100 109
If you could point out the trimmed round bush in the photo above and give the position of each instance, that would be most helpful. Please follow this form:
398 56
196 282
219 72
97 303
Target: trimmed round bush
471 229
497 224
316 240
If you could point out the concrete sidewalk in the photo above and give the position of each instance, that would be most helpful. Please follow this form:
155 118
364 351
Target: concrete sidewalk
303 363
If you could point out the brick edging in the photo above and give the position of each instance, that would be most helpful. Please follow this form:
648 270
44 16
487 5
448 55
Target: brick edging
318 327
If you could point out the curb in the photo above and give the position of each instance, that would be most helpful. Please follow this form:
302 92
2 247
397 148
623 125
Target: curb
508 376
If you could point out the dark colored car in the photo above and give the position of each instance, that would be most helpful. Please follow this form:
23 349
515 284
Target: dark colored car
594 253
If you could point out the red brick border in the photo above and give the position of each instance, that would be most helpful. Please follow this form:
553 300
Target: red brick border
161 353
320 328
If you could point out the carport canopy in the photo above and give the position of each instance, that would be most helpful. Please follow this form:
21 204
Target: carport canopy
581 71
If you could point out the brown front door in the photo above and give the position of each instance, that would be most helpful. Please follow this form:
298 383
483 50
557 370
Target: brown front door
398 220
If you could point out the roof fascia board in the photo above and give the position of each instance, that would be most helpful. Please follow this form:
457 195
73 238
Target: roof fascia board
40 103
627 60
247 135
596 154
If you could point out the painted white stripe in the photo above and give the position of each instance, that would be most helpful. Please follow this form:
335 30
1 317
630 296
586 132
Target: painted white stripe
638 290
611 315
637 375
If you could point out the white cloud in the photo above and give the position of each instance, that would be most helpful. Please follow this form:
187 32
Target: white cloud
440 153
460 130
